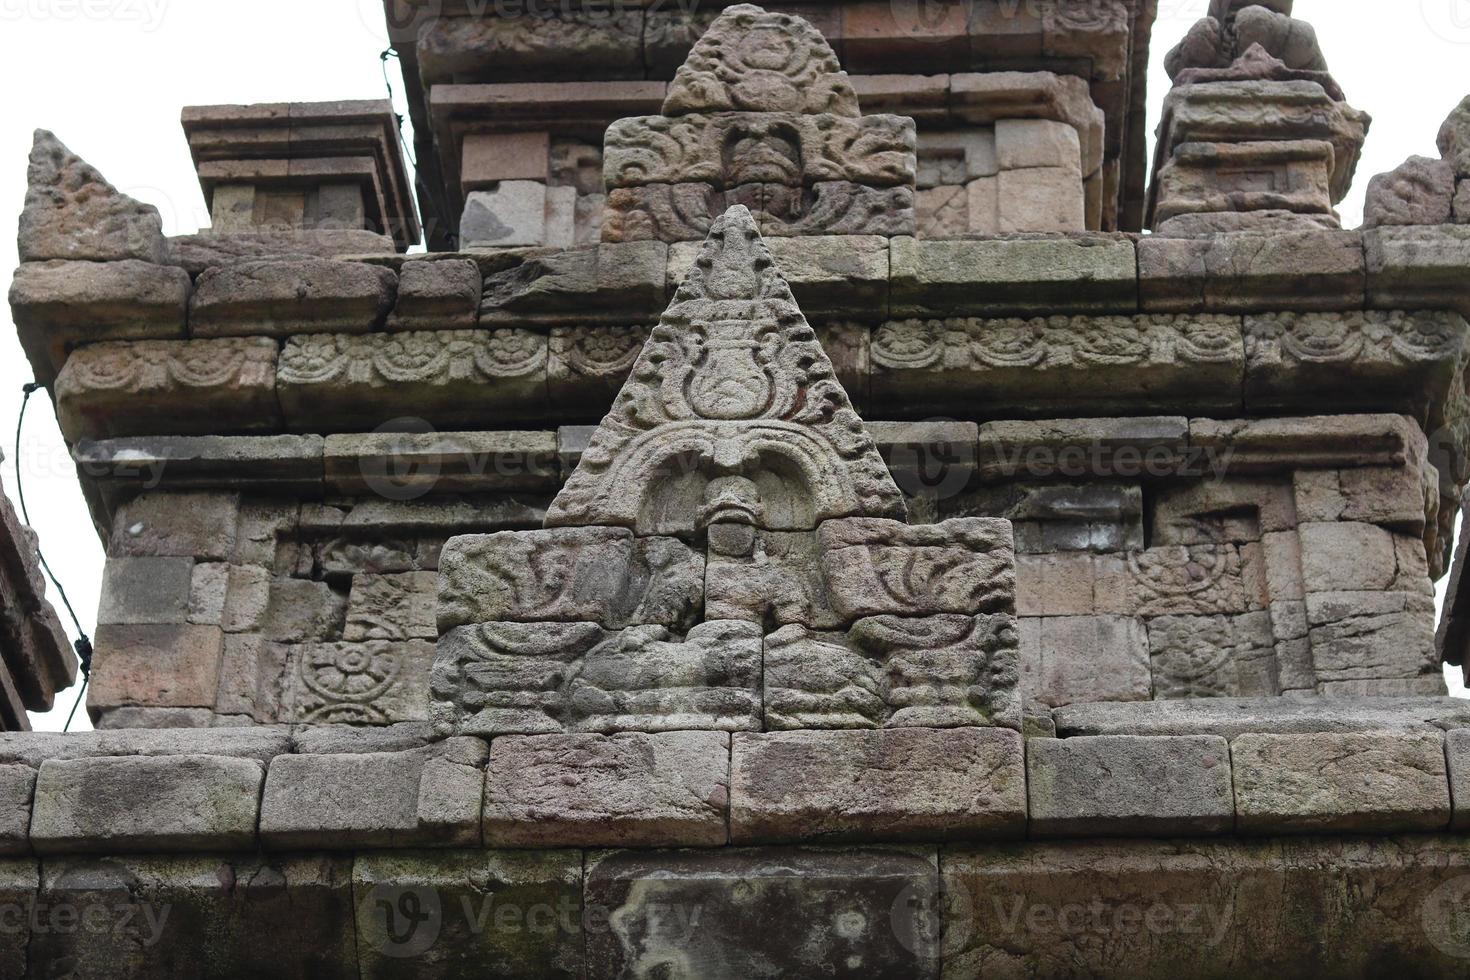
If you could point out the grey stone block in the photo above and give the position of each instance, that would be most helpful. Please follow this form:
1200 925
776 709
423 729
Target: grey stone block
737 913
416 798
1002 277
192 916
437 295
1129 786
184 525
20 878
279 298
1457 756
606 283
1340 783
670 789
898 784
490 913
145 590
147 803
59 305
17 785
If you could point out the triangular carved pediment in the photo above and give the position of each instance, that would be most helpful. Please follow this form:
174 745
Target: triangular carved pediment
732 413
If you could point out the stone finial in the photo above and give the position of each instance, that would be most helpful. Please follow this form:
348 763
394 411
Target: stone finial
1234 26
751 60
72 212
1454 139
732 412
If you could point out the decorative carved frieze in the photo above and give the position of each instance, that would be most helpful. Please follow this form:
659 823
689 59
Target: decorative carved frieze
889 672
598 575
182 387
731 149
538 678
449 377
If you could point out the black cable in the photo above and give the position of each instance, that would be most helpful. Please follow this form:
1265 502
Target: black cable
429 191
83 643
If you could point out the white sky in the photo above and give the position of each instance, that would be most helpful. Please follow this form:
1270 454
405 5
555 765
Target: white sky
110 76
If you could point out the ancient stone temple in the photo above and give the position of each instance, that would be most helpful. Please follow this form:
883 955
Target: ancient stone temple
823 504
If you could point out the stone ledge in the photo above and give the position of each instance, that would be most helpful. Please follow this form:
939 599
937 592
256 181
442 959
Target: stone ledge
1233 717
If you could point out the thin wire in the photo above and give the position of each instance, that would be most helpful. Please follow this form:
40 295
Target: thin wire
83 643
429 192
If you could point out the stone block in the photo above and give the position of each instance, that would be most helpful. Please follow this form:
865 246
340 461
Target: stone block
176 525
1025 143
280 298
300 610
146 803
1453 139
1310 270
17 787
1347 556
1067 659
1213 656
1457 756
195 253
511 215
174 387
437 295
739 913
1420 267
392 383
182 915
594 575
488 158
1159 909
375 682
1420 191
1056 584
209 586
544 678
137 591
1013 276
407 465
392 607
1038 199
72 212
416 798
906 784
58 306
1259 183
1128 786
247 599
626 790
606 283
1462 202
964 566
1358 636
894 672
158 666
502 913
1371 782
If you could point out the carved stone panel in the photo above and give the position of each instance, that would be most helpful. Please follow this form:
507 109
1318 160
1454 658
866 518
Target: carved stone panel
891 672
539 678
595 575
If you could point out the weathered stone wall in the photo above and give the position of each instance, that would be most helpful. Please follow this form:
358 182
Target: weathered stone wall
158 853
